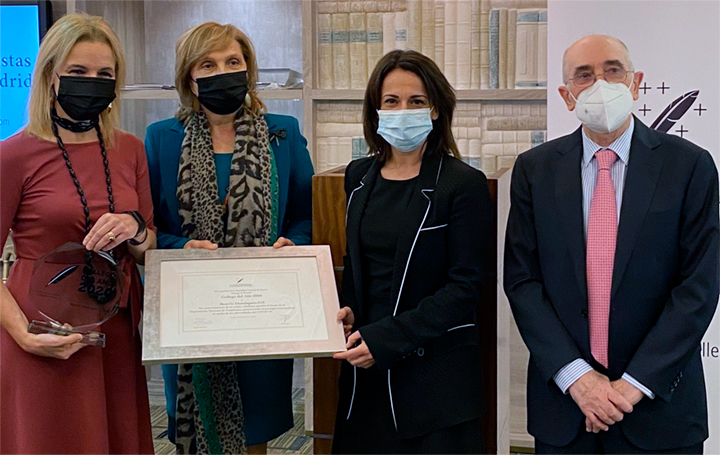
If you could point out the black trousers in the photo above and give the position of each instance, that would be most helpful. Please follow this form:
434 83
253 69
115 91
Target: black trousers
463 438
371 430
612 441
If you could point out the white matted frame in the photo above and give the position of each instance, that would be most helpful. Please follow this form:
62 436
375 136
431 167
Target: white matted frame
240 304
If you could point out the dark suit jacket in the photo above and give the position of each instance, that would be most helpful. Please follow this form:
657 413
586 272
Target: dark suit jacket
163 143
431 343
664 287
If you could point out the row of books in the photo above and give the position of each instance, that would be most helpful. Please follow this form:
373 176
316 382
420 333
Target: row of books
478 44
518 48
350 44
337 156
337 151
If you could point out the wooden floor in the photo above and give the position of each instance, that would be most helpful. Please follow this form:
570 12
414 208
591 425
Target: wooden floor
293 441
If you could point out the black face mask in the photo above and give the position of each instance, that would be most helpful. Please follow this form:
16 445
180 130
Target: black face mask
224 93
84 98
71 125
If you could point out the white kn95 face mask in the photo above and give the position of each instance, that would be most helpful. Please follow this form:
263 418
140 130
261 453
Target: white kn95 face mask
604 106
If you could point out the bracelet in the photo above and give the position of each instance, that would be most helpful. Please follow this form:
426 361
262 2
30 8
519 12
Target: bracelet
138 219
139 242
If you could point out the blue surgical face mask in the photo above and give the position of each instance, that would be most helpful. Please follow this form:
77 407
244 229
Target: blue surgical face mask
405 129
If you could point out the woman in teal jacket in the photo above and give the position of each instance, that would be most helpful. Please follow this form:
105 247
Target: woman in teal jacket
223 173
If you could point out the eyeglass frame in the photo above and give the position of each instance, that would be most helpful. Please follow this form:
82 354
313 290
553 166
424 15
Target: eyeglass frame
595 77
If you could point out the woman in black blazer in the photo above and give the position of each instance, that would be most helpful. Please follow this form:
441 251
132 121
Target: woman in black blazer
418 236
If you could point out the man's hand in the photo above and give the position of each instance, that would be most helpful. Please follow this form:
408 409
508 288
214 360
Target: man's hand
599 401
631 393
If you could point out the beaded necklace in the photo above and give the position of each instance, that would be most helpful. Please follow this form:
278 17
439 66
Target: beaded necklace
108 293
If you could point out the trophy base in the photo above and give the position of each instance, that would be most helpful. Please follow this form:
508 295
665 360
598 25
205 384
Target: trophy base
89 338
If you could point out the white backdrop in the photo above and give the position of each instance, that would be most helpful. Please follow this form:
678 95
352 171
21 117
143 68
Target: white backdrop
676 43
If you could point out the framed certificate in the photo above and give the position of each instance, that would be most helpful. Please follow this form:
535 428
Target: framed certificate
240 304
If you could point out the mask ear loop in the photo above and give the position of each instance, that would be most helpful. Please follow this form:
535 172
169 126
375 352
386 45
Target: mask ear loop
632 80
198 89
571 93
52 88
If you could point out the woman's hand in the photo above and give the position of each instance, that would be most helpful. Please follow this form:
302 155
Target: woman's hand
359 355
15 323
282 241
200 245
56 346
111 230
348 319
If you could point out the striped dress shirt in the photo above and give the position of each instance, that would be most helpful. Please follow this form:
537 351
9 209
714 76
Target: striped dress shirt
571 372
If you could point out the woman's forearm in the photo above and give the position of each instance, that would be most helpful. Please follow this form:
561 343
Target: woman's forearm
138 251
11 316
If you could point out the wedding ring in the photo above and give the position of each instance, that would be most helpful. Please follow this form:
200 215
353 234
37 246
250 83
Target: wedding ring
111 236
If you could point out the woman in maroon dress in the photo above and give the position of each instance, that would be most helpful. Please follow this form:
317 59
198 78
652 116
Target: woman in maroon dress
72 175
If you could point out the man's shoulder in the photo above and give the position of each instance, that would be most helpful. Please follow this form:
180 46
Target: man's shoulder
552 148
675 144
677 154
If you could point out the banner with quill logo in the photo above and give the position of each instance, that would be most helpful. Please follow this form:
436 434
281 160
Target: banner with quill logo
676 44
674 112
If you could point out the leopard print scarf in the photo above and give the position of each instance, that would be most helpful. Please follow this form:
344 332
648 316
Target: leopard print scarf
209 408
250 194
209 414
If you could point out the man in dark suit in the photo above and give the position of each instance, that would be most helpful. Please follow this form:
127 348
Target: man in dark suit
611 269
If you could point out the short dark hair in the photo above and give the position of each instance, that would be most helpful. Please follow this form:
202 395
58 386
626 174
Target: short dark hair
440 95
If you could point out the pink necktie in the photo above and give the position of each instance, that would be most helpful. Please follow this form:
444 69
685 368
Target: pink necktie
601 239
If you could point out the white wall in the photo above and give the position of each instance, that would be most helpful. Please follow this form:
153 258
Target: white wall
674 42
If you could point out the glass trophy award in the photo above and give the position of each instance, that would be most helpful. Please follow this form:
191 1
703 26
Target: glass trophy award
76 291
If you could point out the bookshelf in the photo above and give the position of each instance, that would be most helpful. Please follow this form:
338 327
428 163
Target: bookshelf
494 125
133 22
466 62
462 95
269 94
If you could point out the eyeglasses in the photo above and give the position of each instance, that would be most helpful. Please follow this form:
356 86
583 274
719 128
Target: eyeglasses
585 79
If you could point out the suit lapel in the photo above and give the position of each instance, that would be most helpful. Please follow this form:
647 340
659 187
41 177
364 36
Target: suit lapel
416 215
356 206
568 196
640 183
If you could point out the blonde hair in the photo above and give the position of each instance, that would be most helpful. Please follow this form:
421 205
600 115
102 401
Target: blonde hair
54 50
197 43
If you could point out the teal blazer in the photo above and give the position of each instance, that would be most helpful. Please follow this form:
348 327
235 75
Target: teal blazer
163 143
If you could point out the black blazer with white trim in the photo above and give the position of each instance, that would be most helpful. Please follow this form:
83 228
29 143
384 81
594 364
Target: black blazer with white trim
429 346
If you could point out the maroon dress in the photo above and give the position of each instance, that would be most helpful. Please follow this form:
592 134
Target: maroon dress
96 401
